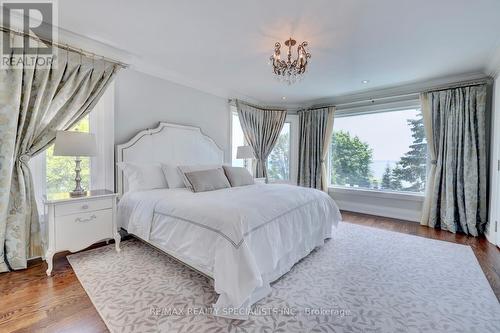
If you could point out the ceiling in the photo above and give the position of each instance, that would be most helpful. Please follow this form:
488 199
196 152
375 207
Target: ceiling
223 46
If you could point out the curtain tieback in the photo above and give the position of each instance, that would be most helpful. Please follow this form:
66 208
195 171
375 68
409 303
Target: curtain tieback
24 159
434 162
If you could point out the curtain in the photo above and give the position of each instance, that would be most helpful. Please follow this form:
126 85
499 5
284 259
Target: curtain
316 129
35 103
261 128
431 151
456 193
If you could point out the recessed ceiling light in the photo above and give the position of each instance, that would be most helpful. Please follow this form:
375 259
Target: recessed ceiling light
365 81
283 98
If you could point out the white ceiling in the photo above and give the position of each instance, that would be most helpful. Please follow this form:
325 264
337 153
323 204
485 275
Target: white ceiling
223 46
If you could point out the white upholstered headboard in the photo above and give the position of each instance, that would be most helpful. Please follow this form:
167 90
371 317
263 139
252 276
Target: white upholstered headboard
167 143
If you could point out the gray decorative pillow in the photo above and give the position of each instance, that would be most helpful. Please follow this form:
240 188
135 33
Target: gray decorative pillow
238 176
183 169
207 180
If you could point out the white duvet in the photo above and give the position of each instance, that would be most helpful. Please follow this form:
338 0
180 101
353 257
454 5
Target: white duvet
244 237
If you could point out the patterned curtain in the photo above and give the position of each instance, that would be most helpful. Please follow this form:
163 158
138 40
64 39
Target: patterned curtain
456 193
316 129
35 103
261 128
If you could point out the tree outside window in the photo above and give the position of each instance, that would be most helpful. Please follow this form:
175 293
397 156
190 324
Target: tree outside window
278 162
350 160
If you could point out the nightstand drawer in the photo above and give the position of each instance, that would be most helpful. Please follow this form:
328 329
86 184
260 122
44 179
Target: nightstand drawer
83 206
77 231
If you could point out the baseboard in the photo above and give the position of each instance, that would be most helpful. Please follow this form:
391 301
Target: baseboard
491 236
391 212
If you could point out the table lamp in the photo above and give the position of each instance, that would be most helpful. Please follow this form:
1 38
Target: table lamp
244 153
77 144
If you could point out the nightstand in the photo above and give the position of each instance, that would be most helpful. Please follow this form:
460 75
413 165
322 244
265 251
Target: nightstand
76 223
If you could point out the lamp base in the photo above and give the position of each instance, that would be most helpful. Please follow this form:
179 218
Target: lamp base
78 191
76 194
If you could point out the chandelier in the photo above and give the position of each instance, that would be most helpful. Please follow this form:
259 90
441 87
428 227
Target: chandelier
287 70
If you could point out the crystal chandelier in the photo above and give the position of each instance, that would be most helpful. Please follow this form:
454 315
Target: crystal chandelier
287 70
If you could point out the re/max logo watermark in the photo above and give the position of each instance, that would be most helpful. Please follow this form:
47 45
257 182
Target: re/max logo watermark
31 31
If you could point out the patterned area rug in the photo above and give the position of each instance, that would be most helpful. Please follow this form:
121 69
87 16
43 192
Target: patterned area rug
362 280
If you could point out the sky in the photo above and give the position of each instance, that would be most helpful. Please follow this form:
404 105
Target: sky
387 133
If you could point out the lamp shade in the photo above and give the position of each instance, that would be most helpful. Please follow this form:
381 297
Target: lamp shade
243 152
69 143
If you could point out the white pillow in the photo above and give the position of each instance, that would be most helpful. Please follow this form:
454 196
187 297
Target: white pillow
173 176
196 167
142 177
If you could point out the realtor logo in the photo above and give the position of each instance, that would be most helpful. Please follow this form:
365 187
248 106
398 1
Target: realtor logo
30 31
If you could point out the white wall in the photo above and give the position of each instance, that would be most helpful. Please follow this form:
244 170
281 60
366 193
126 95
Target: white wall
399 206
143 100
494 237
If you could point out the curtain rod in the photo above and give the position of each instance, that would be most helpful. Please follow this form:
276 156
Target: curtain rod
470 83
477 82
64 46
343 105
316 108
231 100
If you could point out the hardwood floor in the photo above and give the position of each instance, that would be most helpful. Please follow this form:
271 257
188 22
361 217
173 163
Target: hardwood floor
32 302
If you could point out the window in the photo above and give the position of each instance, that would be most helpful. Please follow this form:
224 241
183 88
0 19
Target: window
281 163
383 151
52 174
60 170
278 162
238 139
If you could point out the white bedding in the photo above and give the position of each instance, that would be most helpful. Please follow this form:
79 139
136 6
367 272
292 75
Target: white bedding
244 237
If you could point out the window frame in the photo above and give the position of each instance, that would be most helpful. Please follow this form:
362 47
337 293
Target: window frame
372 109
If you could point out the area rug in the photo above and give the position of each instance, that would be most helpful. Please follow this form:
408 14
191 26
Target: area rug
362 280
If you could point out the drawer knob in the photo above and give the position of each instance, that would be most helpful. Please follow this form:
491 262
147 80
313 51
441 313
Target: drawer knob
92 217
85 207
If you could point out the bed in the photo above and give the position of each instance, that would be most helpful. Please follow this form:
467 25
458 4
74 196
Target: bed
241 237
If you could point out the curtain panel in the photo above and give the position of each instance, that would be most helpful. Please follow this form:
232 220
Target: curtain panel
315 135
261 128
456 130
35 103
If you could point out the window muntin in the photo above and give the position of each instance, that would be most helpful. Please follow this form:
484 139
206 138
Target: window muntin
278 162
383 151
